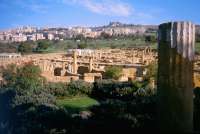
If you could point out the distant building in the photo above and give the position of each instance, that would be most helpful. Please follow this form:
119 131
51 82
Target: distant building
19 38
1 37
50 36
40 36
9 55
32 37
26 29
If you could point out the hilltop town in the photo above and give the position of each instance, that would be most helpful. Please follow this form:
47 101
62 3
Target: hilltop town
28 33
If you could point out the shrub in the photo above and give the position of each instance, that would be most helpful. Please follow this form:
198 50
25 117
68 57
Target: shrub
150 38
151 71
57 89
34 97
113 72
105 35
119 116
43 45
16 109
114 89
71 89
197 37
25 47
25 78
82 46
10 74
79 87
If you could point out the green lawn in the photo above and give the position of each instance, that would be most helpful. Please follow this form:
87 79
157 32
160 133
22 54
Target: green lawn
77 104
99 43
197 47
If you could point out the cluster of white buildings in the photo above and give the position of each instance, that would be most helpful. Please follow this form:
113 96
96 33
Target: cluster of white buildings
114 31
33 34
25 34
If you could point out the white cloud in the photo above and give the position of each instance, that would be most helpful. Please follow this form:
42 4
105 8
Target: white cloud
104 7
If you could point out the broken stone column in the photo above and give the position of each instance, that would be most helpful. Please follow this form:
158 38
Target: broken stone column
100 54
143 56
175 76
75 67
63 71
91 65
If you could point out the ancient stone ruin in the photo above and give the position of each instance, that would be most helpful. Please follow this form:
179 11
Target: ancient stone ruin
88 65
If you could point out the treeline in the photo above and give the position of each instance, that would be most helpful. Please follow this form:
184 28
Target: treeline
26 47
8 47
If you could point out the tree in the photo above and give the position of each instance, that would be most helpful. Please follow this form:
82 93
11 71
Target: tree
82 46
43 45
8 47
27 77
150 38
113 72
25 47
151 71
10 74
79 37
197 37
105 35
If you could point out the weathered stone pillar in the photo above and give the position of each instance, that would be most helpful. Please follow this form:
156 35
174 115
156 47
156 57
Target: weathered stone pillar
143 56
175 76
63 71
75 62
91 65
100 54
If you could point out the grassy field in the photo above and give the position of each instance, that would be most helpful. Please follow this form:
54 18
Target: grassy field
197 47
100 43
62 46
76 104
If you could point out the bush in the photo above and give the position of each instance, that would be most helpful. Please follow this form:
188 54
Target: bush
82 46
119 116
71 89
10 74
197 37
16 109
151 71
34 97
113 72
105 35
57 89
25 47
25 78
79 87
43 45
150 38
114 89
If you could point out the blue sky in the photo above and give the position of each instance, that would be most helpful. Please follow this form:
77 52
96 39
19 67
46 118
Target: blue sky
54 13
